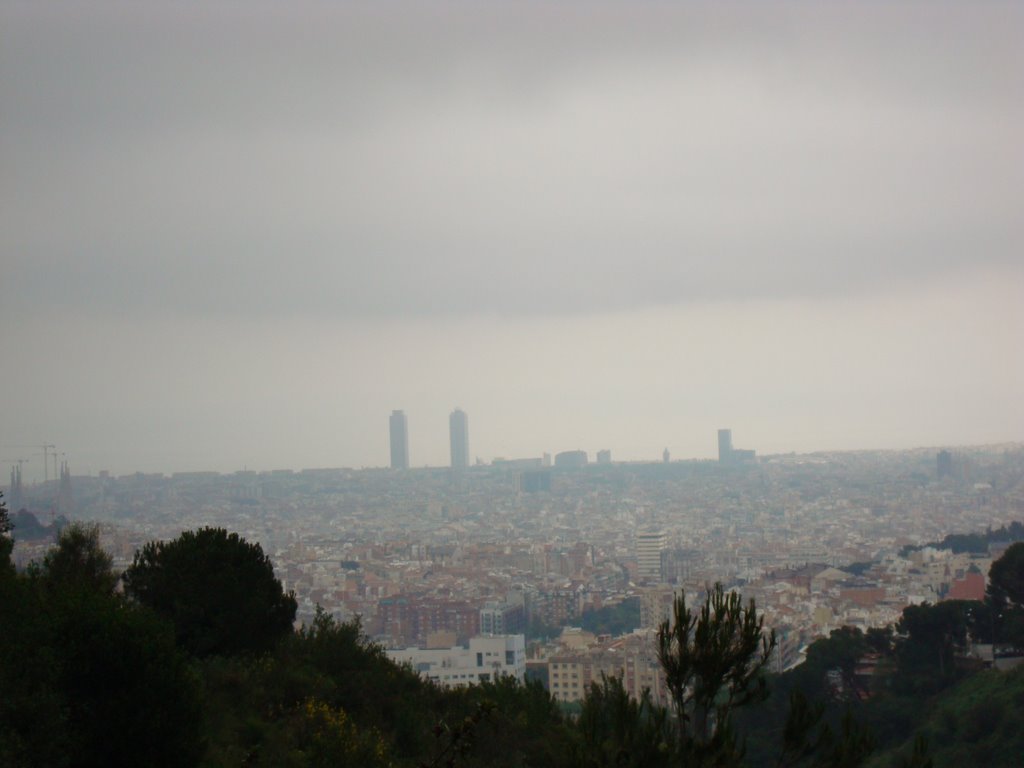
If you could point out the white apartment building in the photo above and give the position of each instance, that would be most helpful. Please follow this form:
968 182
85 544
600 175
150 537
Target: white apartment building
487 658
649 544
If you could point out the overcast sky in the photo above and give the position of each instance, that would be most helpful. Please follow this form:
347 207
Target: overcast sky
240 235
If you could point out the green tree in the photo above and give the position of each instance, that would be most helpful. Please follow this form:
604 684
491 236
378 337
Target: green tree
1005 597
613 619
129 695
79 562
1006 576
85 678
618 730
932 634
713 662
217 589
6 542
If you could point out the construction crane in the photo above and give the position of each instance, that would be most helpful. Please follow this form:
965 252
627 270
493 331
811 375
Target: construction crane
46 474
47 447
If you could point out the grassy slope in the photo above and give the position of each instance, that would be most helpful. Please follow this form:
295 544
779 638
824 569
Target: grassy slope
979 721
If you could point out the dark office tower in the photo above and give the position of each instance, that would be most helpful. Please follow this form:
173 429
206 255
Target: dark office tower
571 459
15 499
944 464
534 481
724 445
458 428
65 501
399 441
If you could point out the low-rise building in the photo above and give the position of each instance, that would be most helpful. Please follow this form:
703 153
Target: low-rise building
485 659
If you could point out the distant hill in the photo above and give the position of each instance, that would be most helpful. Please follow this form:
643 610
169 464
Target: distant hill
973 542
28 528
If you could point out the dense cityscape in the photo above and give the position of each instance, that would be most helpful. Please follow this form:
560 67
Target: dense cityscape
437 560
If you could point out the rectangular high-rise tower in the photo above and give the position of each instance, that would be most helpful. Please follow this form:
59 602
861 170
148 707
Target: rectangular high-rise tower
649 544
399 441
458 428
725 445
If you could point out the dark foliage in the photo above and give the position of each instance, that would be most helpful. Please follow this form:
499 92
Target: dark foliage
934 633
617 619
78 562
6 542
973 542
713 662
1007 577
86 679
217 589
616 730
29 528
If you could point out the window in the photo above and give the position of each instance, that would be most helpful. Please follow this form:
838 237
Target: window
510 658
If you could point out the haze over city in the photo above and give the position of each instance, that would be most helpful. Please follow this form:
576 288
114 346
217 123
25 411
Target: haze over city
242 236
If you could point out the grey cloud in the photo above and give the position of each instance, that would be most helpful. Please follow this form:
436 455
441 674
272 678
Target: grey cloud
348 160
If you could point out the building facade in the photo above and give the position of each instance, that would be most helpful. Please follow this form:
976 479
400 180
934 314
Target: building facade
725 445
632 659
571 459
649 545
487 658
458 429
399 440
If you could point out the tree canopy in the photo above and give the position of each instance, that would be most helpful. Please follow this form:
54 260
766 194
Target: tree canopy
217 589
1007 575
713 662
86 679
79 562
6 544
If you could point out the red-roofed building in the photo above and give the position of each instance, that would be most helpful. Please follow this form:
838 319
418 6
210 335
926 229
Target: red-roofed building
970 587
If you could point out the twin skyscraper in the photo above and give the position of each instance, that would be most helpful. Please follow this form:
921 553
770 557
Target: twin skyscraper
458 429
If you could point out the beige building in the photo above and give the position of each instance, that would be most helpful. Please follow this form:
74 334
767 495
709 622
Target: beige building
649 545
656 605
632 659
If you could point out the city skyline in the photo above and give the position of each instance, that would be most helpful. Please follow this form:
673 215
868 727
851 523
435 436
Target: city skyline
398 449
614 228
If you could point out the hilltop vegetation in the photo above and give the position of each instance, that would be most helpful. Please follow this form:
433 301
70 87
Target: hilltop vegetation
976 722
973 542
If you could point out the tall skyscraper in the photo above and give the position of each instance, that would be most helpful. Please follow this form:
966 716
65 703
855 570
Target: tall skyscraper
733 456
649 544
944 463
399 441
458 428
65 501
724 445
15 499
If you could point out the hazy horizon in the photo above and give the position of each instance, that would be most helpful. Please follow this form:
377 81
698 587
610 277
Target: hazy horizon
241 235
